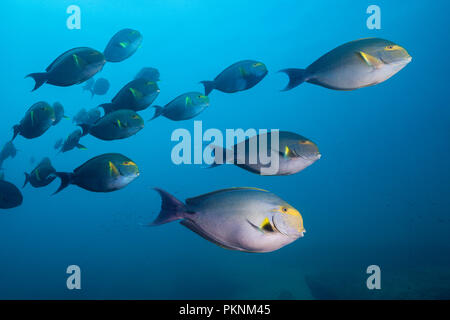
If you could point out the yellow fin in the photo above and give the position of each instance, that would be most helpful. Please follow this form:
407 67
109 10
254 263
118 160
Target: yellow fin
113 170
188 101
371 60
242 71
136 93
36 173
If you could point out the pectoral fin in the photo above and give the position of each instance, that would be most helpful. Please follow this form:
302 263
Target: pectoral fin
113 172
370 60
36 173
264 227
81 147
136 93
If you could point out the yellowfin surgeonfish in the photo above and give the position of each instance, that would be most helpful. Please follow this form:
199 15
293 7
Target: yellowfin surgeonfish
243 219
353 65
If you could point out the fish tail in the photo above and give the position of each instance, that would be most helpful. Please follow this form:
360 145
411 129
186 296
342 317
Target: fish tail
209 86
171 209
66 179
158 111
296 77
16 129
27 179
39 77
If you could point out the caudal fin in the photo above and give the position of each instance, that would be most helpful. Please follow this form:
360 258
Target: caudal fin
39 77
171 209
16 130
66 179
158 111
27 179
209 86
296 77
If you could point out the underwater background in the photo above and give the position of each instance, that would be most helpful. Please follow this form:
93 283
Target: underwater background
379 195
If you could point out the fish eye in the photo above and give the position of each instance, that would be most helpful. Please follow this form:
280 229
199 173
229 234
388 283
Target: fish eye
284 209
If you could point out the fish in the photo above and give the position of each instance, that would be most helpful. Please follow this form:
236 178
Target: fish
10 195
37 120
105 173
123 45
185 106
136 95
100 87
116 125
8 151
242 75
72 142
353 65
149 74
87 117
293 153
242 219
58 143
59 113
72 67
88 84
42 175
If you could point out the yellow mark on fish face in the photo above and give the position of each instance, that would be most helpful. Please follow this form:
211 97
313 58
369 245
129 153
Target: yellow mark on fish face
393 47
149 83
135 117
128 163
306 142
371 60
257 64
113 169
287 210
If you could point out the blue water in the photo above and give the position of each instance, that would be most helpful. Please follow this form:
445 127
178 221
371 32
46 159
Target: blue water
379 195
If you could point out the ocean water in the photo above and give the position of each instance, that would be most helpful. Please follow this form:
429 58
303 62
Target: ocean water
378 196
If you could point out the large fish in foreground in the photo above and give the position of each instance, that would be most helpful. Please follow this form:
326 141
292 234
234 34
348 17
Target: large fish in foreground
183 107
72 67
116 125
123 45
293 154
353 65
244 219
37 120
42 175
240 76
10 195
105 173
